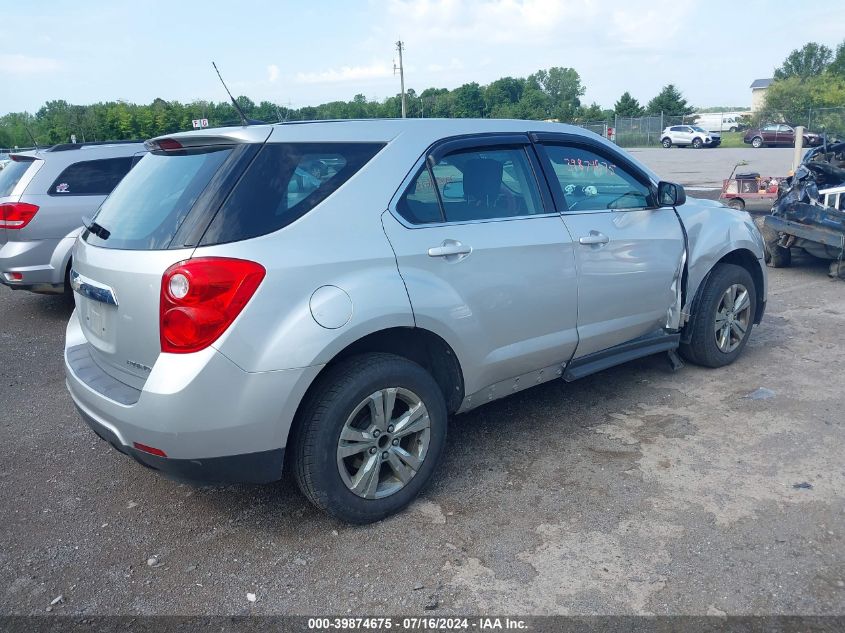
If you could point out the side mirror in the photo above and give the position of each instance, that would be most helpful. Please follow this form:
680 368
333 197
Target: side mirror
670 194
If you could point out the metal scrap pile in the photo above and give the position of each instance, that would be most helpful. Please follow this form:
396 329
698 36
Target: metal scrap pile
808 212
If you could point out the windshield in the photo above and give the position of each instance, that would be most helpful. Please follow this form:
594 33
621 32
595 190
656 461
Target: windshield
12 173
151 202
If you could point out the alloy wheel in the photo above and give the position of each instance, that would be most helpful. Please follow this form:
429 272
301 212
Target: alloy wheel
733 318
383 443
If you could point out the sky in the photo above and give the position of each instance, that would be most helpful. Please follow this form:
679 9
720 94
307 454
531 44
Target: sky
297 53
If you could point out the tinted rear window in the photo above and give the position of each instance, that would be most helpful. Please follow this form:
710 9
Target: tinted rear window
91 177
146 210
11 175
283 183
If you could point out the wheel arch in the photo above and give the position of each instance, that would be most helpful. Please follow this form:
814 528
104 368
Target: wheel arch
416 344
743 258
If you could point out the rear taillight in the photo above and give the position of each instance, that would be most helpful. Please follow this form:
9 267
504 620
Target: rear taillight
16 215
201 297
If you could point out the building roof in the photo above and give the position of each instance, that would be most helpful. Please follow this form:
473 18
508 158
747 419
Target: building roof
761 83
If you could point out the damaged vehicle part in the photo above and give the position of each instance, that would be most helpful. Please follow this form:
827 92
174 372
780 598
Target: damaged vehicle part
808 212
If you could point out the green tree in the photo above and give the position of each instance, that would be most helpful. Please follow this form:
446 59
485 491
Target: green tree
468 101
810 60
670 102
837 66
628 106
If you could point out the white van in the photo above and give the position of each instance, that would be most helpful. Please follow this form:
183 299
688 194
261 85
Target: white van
718 122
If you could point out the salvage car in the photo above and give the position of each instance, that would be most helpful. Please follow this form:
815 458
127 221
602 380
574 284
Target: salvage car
45 195
228 321
808 213
778 134
685 135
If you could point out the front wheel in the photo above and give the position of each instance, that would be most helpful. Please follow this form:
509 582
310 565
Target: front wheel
369 437
666 142
721 325
756 142
696 143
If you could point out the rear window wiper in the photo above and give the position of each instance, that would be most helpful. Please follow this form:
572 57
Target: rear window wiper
100 231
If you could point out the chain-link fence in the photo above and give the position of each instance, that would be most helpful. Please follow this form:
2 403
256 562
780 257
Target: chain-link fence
646 131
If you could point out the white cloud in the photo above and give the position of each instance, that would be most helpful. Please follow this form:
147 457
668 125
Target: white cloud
272 73
489 21
376 70
26 65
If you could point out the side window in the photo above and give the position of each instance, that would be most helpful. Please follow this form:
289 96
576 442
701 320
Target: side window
677 128
91 177
283 183
591 182
419 203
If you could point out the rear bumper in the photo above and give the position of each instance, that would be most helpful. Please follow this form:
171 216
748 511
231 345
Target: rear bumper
213 420
41 263
259 468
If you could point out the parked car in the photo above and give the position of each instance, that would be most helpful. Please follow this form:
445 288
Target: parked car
684 135
228 321
44 196
779 134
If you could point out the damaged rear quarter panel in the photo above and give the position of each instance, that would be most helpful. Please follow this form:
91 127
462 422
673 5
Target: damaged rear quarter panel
715 230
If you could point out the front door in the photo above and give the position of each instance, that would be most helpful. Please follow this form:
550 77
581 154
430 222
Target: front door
488 264
629 254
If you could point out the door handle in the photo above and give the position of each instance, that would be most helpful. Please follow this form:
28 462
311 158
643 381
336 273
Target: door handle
449 248
594 238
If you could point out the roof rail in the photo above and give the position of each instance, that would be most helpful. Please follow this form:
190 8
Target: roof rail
63 147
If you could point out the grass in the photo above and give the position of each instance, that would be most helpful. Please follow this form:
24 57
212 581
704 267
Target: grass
733 139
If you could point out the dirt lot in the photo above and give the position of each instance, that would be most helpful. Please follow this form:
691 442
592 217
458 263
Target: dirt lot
636 490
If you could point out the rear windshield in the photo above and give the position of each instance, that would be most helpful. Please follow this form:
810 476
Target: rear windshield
11 175
146 209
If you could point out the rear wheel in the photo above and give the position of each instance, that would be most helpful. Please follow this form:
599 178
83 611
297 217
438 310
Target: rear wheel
757 142
666 142
369 437
696 143
722 322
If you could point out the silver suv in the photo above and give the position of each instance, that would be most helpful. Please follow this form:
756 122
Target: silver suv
326 294
44 196
694 135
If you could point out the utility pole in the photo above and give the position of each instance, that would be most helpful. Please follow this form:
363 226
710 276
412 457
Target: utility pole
399 47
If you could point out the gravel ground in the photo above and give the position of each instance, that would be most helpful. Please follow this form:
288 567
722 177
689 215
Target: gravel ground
636 490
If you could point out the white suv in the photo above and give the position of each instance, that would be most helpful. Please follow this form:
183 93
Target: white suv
683 135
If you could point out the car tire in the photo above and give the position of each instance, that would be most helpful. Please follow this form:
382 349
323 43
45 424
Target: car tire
696 143
733 129
737 203
341 416
666 142
719 329
777 256
756 142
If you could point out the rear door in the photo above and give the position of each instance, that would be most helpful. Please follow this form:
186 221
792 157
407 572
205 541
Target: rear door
487 262
629 254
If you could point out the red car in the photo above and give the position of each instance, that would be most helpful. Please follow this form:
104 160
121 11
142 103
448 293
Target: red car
779 134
